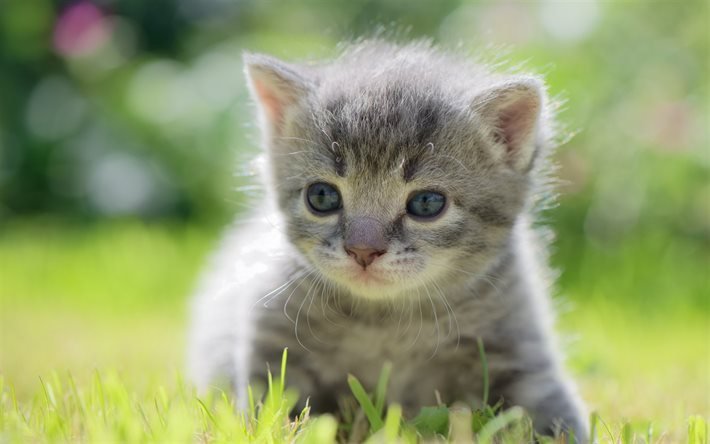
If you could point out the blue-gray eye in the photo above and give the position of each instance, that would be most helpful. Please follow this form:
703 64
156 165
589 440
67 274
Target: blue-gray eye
323 198
426 204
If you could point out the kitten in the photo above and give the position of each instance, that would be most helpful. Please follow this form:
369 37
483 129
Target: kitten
397 228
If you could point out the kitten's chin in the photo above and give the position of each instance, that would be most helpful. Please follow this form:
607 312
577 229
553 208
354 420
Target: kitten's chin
379 281
372 285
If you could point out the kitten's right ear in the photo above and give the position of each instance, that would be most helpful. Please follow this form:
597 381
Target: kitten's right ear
513 110
275 86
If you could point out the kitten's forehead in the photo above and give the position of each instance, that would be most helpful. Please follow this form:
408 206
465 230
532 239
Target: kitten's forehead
381 128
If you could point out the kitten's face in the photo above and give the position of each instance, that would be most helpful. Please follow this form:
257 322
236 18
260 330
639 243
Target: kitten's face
402 205
405 252
394 183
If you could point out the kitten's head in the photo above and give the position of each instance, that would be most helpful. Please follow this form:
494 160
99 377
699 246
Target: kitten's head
398 168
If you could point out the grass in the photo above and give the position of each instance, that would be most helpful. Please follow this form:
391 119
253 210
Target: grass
107 410
92 323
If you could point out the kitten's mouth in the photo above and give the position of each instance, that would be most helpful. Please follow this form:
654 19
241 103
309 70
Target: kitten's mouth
368 277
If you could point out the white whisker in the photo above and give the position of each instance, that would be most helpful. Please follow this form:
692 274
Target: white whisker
421 321
436 322
278 290
288 299
295 325
451 314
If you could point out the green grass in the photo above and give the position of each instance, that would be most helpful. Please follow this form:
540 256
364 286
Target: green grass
107 410
93 318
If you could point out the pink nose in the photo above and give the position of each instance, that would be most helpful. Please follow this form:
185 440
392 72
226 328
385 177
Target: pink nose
364 256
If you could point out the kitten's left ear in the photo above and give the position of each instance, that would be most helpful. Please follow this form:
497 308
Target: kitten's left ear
513 113
275 86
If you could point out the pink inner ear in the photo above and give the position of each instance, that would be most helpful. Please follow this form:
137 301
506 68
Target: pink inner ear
270 102
516 123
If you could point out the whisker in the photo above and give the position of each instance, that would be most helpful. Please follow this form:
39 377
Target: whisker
452 268
399 321
488 278
436 322
411 317
288 299
451 313
278 290
292 153
455 160
295 324
325 301
330 139
313 291
421 320
297 138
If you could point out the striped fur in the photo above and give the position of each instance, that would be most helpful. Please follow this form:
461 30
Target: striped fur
381 122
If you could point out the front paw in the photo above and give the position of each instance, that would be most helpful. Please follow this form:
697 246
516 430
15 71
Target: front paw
569 430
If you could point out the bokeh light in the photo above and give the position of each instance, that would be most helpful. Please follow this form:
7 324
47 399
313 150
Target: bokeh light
80 30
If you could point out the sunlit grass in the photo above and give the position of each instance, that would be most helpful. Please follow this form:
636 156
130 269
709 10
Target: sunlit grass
121 266
107 410
100 311
652 371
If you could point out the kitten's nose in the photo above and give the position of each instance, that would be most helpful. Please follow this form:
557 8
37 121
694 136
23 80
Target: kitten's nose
364 255
365 240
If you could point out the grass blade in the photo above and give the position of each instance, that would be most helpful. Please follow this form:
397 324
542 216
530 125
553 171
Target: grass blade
498 423
393 422
206 411
381 390
484 366
282 376
627 434
593 419
319 430
365 403
460 421
697 430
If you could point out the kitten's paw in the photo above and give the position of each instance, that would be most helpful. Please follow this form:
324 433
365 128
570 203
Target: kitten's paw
571 430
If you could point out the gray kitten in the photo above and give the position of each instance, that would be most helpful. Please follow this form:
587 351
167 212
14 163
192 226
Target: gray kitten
397 228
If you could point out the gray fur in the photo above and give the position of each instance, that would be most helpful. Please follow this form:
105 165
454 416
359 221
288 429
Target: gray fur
380 122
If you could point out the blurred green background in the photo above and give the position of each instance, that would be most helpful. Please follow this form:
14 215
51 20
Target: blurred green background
126 134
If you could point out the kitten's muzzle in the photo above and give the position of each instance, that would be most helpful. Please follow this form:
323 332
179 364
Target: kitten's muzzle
365 240
364 256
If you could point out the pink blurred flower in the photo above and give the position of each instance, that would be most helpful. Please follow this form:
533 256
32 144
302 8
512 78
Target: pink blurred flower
80 30
670 125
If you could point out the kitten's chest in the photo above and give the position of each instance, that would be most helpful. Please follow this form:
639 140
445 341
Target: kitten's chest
430 351
413 346
425 360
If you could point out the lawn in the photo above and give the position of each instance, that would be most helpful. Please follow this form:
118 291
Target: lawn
93 321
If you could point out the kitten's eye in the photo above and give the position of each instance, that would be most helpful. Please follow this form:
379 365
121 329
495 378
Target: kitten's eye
323 198
426 204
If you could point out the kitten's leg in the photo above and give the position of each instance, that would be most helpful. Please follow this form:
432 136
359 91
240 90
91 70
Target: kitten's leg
552 403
